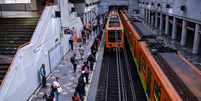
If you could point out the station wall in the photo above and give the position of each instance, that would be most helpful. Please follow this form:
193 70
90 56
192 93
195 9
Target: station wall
24 77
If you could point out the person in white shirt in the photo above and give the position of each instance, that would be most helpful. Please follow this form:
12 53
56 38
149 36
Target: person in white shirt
81 49
56 84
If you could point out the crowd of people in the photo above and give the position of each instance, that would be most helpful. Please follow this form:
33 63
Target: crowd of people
82 86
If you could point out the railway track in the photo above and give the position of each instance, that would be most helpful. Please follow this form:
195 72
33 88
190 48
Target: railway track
119 83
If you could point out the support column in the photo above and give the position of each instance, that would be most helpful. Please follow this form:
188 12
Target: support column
146 15
167 25
149 21
152 20
174 28
184 33
161 22
196 43
84 19
87 19
156 20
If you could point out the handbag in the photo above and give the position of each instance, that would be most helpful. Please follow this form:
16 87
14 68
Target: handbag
86 89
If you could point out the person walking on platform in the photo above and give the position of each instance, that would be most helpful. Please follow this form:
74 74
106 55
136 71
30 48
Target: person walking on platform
75 62
56 84
75 97
71 43
84 39
85 68
80 90
91 60
94 30
81 49
84 27
43 73
88 32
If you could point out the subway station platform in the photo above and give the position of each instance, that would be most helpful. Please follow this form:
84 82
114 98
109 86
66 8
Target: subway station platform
66 75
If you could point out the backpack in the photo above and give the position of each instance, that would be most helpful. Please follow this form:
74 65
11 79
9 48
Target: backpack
86 69
88 59
77 99
84 37
72 60
53 89
80 79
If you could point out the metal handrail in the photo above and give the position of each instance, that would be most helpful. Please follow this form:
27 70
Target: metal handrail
20 48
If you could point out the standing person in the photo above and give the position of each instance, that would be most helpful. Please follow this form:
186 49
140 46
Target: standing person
75 97
84 39
71 43
57 84
80 89
43 73
94 30
81 49
86 69
48 97
96 42
88 32
84 27
91 60
75 63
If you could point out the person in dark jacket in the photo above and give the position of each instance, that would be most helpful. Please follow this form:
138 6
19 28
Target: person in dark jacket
91 60
71 43
84 27
43 73
81 90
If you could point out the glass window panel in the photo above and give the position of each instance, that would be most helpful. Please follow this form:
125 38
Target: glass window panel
157 92
143 65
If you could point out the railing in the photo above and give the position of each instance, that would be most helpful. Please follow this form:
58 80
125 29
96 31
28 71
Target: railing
20 48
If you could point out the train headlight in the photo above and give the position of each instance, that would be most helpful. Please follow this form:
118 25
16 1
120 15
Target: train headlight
119 44
110 44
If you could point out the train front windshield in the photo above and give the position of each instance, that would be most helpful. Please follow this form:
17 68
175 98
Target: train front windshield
111 35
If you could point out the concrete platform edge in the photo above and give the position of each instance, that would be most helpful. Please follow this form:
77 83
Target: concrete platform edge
91 96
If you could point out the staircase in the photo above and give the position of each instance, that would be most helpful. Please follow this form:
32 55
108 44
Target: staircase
14 32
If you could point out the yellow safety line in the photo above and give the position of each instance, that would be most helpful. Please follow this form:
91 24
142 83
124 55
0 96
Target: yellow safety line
94 67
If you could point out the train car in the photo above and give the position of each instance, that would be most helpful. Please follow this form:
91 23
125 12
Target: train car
114 32
164 73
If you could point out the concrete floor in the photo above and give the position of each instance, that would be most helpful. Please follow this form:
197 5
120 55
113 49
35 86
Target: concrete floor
186 50
20 14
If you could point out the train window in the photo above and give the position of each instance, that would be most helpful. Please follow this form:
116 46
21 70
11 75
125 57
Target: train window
143 65
132 41
157 92
111 35
135 48
140 61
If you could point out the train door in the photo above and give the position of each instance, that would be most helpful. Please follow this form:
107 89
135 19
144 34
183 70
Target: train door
149 82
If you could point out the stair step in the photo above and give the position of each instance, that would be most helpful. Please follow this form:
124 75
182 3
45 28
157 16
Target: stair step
19 27
16 33
15 36
16 30
10 45
14 39
13 42
8 49
3 71
4 67
8 52
28 24
1 77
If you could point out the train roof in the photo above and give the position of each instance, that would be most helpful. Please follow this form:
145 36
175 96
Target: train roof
114 21
141 29
186 77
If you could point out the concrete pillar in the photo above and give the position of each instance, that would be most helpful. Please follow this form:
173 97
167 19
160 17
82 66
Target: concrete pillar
167 25
33 5
161 22
196 43
152 20
87 18
184 33
149 17
174 28
156 20
84 19
146 15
